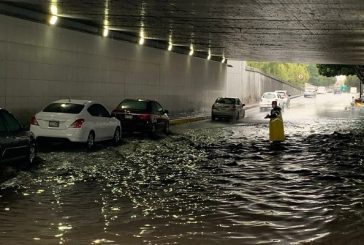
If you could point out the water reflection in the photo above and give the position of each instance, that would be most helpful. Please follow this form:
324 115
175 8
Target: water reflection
206 184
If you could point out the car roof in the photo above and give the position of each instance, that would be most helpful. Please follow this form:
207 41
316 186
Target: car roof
228 98
281 91
73 101
145 100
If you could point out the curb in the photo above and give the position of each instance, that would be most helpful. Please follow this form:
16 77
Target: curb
187 120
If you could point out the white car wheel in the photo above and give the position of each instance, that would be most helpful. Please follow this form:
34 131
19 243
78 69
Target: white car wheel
117 136
90 140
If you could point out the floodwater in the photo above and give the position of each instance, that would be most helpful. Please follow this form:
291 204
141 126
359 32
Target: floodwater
207 183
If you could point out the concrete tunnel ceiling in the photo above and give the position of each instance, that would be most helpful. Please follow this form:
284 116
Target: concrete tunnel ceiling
309 31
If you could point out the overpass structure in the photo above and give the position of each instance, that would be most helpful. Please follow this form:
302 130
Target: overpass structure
316 31
173 51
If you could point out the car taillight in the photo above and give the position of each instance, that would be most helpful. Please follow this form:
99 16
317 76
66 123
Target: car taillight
78 123
144 117
33 121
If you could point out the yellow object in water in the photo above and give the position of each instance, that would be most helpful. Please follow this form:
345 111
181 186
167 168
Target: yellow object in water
276 129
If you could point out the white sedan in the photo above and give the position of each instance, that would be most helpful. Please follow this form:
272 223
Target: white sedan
267 98
77 121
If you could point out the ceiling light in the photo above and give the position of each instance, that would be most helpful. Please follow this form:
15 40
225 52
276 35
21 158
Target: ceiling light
54 10
170 47
105 33
141 41
53 20
191 50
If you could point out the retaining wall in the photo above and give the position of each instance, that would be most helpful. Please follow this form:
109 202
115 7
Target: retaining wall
249 84
41 63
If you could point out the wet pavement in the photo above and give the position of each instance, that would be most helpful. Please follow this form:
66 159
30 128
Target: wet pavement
206 183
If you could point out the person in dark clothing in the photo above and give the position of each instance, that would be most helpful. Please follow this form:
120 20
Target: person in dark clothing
275 112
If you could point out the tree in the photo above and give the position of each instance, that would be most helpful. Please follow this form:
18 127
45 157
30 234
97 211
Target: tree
318 80
295 74
348 70
353 81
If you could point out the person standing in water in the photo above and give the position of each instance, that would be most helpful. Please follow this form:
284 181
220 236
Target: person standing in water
275 112
276 129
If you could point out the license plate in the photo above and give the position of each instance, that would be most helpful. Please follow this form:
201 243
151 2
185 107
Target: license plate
128 116
54 124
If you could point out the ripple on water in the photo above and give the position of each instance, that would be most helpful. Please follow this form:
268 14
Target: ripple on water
203 186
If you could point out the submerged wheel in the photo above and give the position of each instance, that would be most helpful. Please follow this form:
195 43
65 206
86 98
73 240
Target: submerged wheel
90 141
153 130
166 128
32 152
117 136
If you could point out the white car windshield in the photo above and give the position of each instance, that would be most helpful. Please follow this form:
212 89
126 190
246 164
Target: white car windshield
229 101
64 108
269 96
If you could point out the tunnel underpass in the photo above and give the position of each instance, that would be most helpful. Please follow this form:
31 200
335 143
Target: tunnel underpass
208 182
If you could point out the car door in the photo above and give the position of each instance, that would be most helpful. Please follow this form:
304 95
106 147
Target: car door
238 106
96 122
108 124
158 112
15 141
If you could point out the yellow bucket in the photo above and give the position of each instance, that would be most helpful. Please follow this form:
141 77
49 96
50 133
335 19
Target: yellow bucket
276 129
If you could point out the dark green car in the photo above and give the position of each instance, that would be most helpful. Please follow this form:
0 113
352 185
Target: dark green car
16 143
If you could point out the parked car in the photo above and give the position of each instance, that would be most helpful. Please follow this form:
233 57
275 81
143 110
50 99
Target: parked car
285 96
137 115
227 108
16 142
321 90
309 93
80 121
267 98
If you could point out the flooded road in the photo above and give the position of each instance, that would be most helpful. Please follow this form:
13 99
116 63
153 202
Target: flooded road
207 183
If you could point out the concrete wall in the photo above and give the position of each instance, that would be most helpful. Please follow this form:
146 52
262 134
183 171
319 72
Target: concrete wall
41 63
249 84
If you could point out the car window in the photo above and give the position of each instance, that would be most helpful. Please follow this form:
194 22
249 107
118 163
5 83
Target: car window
138 105
11 123
157 108
103 112
98 110
238 102
93 110
269 96
230 101
64 108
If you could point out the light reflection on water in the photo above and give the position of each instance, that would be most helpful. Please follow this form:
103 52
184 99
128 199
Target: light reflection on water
218 182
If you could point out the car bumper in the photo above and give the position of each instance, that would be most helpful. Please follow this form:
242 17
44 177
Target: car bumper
265 106
70 134
218 113
136 126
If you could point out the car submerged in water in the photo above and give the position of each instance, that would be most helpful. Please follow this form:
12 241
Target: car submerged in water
310 93
138 115
230 108
80 121
16 142
268 98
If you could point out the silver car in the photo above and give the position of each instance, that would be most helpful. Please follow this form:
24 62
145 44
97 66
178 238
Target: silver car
231 108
